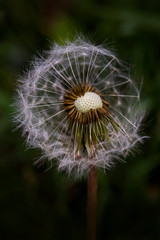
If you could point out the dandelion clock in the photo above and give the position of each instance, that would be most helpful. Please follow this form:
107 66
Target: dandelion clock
79 106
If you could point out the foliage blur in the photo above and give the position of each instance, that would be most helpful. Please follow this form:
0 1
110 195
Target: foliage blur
35 204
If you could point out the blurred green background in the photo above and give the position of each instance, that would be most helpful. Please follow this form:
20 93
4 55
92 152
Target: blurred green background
35 204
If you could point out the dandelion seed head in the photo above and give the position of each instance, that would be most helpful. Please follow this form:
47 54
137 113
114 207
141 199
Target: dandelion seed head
78 105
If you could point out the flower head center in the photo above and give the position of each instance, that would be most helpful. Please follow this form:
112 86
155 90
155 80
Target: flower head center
89 101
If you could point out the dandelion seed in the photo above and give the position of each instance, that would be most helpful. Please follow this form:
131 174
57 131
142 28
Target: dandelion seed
79 107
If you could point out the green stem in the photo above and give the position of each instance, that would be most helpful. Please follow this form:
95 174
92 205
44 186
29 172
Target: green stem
91 204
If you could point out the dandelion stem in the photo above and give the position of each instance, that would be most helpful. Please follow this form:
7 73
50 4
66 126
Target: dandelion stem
91 204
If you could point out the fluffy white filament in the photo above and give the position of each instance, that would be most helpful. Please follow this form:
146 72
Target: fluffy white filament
41 112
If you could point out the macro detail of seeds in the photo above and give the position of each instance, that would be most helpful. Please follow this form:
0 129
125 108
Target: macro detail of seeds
88 114
80 107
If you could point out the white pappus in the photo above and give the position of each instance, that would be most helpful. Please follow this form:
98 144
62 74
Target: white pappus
51 119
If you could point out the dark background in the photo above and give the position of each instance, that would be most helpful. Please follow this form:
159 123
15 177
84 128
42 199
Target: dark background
35 204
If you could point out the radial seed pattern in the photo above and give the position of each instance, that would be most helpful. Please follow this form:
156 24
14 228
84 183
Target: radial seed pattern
52 120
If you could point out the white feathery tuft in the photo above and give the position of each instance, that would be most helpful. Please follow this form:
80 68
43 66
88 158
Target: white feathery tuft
41 113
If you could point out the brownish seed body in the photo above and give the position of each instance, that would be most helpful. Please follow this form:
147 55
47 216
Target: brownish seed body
93 115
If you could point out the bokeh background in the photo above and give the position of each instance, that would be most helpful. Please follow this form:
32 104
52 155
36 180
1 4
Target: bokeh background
35 204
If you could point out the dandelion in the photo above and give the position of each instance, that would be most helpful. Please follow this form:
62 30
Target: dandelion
80 107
